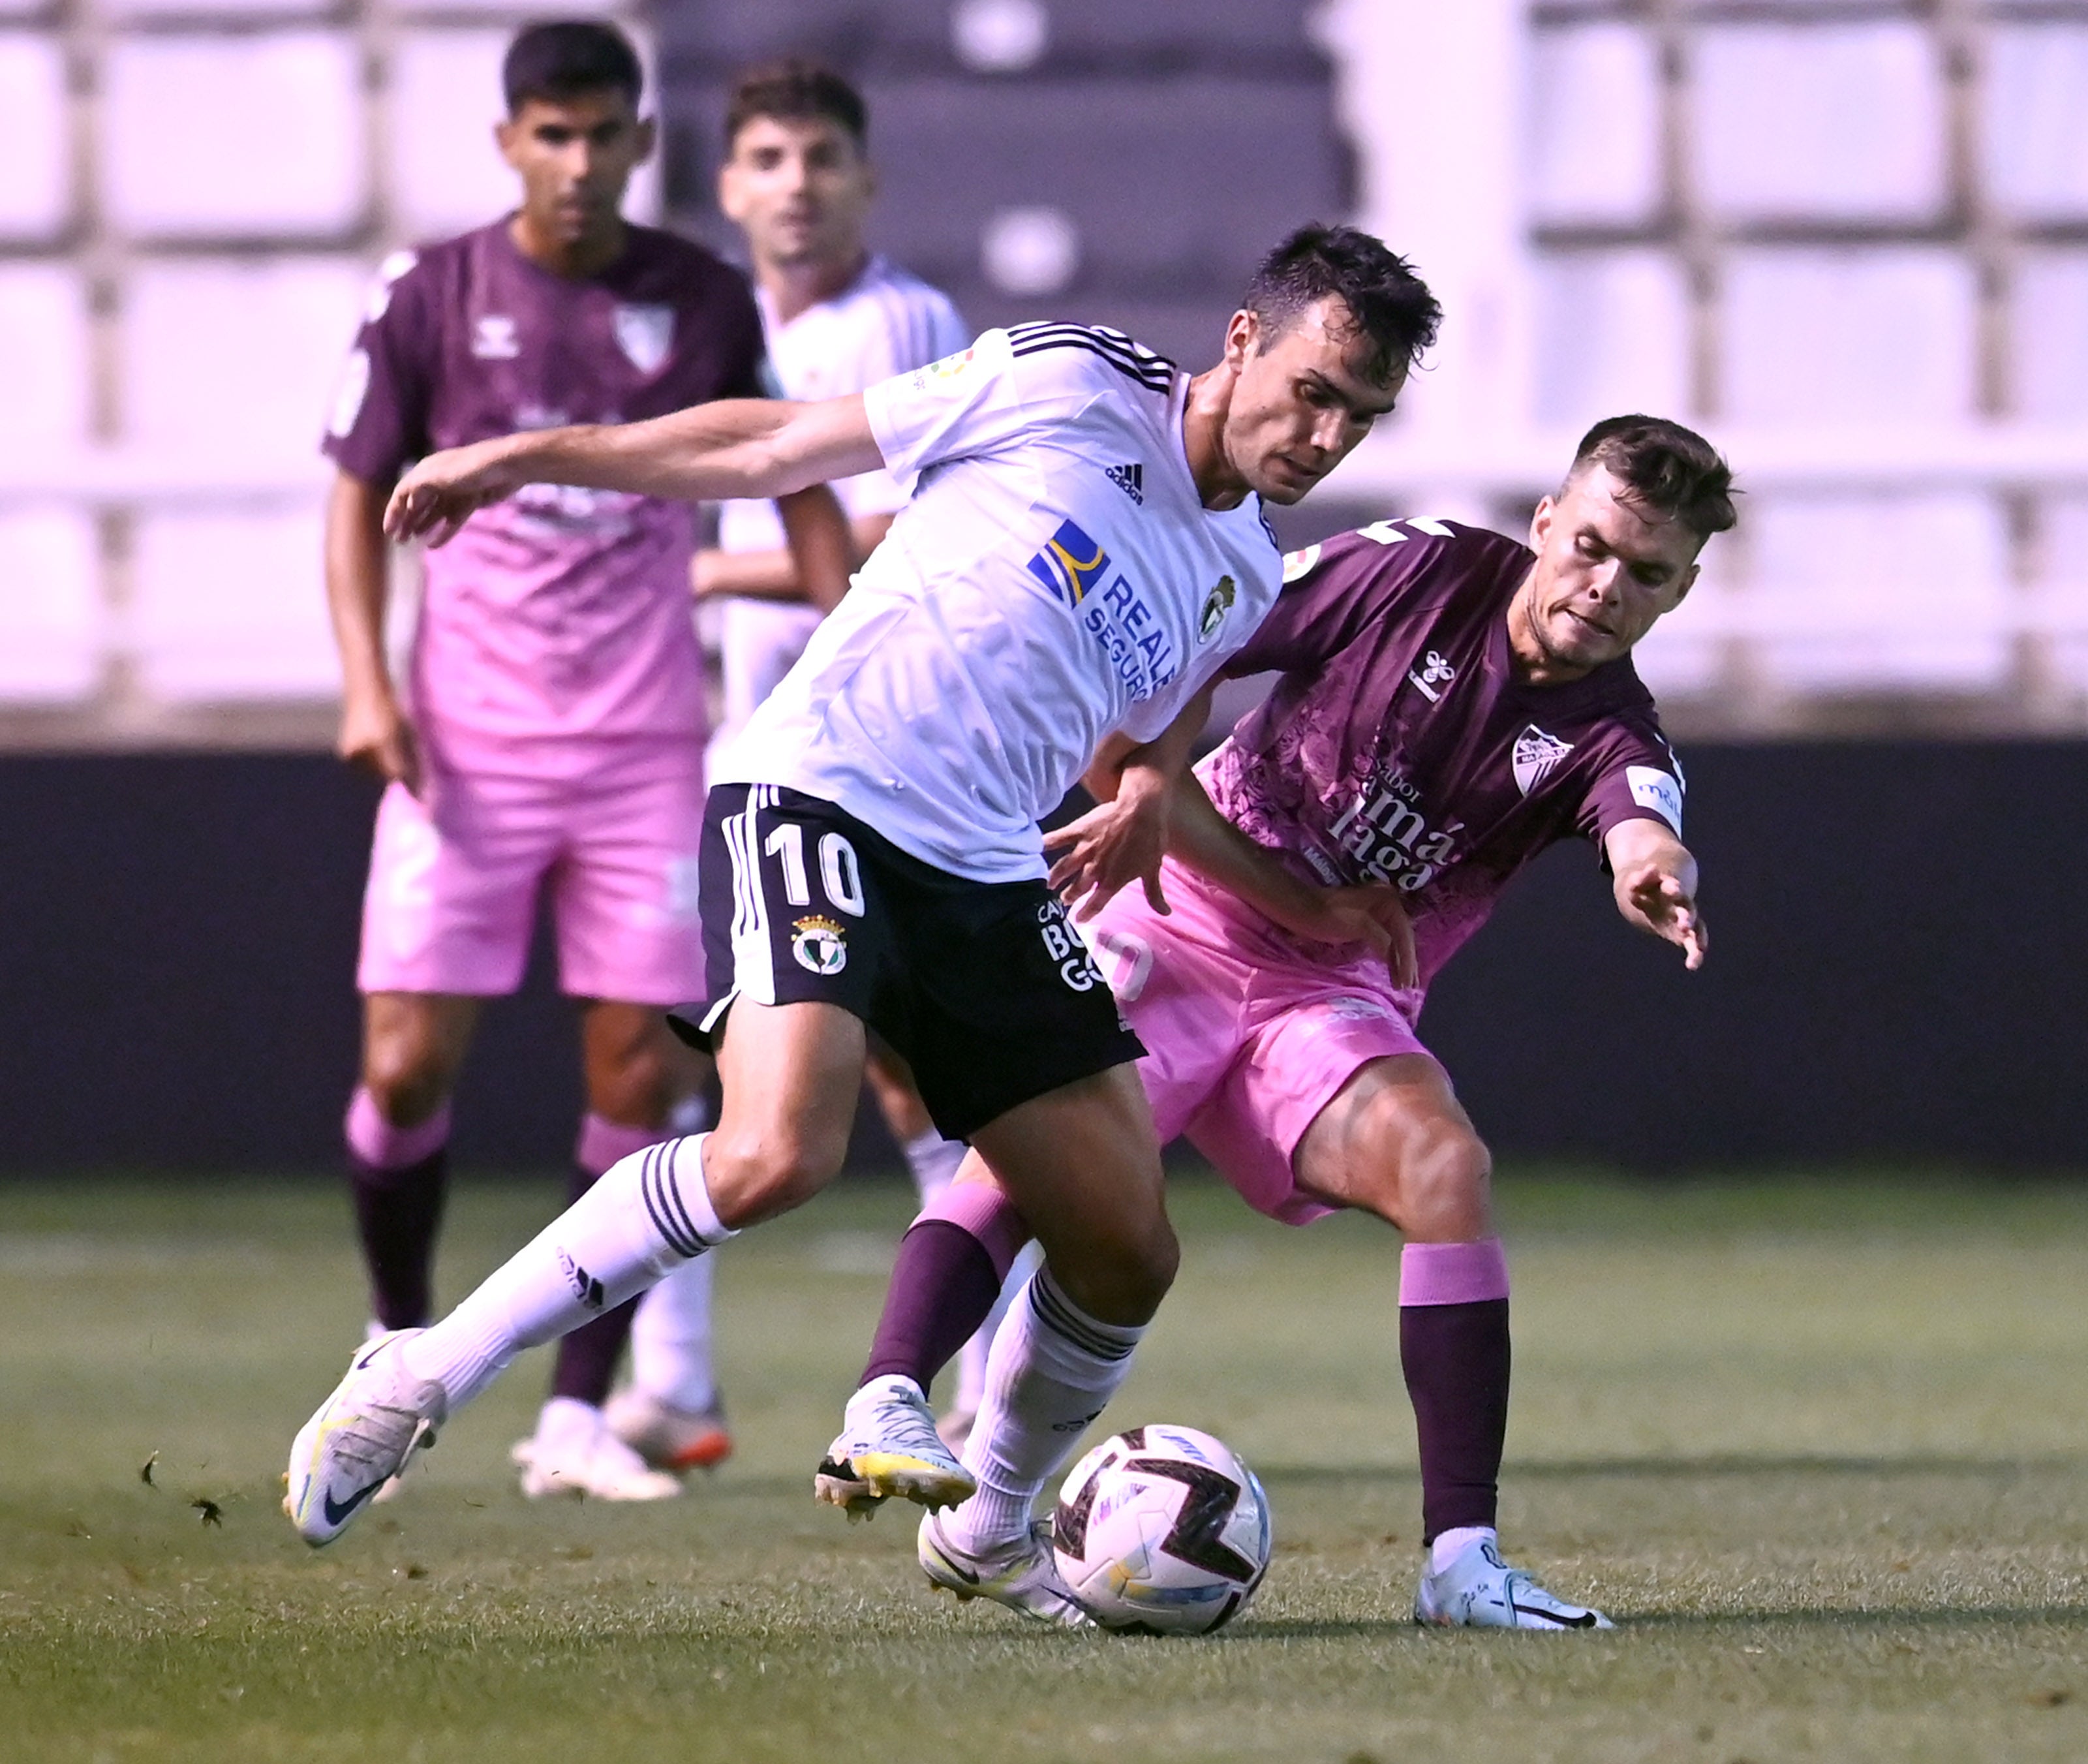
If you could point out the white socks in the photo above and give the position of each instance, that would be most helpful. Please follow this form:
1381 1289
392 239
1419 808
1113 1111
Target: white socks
1053 1369
647 1214
670 1341
1447 1546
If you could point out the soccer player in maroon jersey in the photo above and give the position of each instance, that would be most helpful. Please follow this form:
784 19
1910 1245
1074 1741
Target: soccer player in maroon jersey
557 727
1450 702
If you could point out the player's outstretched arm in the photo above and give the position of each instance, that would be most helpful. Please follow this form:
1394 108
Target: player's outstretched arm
1654 879
733 448
1368 912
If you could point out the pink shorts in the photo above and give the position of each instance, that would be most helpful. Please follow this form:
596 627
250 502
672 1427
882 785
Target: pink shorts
454 876
1247 1038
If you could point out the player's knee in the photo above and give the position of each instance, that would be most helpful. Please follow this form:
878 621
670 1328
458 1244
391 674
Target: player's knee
1122 1278
405 1079
638 1087
752 1177
1446 1185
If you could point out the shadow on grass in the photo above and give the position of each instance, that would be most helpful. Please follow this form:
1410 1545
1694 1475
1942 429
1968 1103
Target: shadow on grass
1799 1463
1872 1617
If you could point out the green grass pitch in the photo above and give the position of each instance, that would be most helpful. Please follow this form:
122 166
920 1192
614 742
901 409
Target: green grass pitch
1819 1444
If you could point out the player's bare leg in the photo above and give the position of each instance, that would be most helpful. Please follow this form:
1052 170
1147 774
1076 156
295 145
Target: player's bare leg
633 1070
1395 1142
413 1044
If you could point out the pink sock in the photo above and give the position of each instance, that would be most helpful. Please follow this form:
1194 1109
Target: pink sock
383 1146
1452 1274
981 1209
602 1142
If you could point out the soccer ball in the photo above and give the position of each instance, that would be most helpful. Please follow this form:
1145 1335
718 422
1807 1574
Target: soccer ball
1162 1531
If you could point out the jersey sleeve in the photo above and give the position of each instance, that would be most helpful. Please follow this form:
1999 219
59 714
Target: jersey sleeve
1637 777
933 332
379 419
1332 592
980 400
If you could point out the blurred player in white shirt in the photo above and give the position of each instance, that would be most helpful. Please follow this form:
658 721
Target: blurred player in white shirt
798 182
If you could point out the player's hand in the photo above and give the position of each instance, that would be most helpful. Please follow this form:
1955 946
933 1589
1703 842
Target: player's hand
376 737
1116 843
1366 912
446 489
1658 899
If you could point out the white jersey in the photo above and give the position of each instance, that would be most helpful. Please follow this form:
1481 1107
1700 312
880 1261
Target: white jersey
1055 577
884 323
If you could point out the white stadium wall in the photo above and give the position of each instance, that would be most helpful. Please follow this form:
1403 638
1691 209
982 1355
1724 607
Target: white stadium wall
1848 240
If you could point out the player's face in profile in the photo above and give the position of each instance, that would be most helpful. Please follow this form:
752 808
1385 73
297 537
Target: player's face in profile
1298 406
574 156
799 188
1606 568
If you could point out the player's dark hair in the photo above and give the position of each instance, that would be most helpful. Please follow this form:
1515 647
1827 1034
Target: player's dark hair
1670 469
796 91
1389 304
560 60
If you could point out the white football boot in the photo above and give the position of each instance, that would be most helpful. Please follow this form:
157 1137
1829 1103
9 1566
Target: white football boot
666 1437
1023 1575
572 1453
1477 1590
888 1446
378 1416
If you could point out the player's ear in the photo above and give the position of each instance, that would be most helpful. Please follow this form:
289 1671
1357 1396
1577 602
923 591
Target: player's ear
1243 336
1540 522
645 138
506 137
1689 581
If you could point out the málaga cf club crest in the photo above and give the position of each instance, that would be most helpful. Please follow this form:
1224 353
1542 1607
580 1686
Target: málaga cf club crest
645 334
1535 755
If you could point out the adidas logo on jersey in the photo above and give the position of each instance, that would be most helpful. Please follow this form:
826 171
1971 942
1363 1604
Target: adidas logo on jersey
1130 479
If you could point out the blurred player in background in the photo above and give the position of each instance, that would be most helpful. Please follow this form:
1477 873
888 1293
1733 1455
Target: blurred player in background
553 736
1450 704
1087 546
797 181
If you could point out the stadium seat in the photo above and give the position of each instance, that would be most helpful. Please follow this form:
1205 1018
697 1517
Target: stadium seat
2034 128
230 604
239 359
2049 336
51 624
2059 605
1879 594
1612 333
1140 182
1594 126
914 37
235 137
44 364
1842 122
1877 334
36 138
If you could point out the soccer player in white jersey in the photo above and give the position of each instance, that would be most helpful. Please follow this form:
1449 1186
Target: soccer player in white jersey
798 182
1085 549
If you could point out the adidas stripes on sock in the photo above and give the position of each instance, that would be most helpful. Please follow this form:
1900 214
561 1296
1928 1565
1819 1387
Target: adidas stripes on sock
647 1214
1053 1370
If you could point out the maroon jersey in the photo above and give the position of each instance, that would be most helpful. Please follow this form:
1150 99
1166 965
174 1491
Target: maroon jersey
560 611
1400 747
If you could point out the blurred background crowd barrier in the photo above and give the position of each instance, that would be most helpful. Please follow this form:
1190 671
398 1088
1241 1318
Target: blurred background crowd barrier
1848 238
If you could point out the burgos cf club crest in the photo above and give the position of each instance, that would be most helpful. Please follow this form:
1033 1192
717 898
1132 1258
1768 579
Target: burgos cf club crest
819 944
1070 565
1216 608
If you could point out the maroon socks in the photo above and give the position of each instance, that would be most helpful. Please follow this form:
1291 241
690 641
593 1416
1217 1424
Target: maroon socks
1453 1347
399 1177
588 1356
946 1276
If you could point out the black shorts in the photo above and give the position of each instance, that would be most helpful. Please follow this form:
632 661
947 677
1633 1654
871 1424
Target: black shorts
985 986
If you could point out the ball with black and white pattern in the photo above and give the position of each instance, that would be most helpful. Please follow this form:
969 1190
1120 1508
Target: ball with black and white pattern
1162 1531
